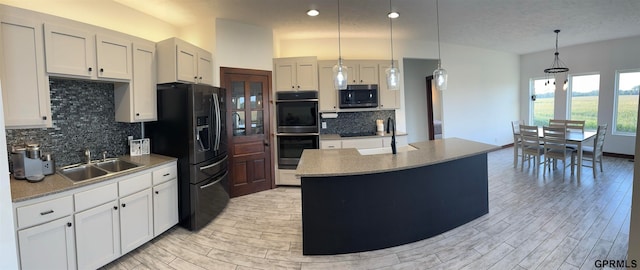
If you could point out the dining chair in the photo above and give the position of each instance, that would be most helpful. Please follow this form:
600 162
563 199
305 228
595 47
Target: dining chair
555 147
594 154
532 146
575 125
517 141
557 123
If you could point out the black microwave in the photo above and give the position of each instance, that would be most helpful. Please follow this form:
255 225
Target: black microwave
359 96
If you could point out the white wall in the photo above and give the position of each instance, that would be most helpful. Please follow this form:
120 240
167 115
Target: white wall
483 93
8 247
415 97
604 57
240 45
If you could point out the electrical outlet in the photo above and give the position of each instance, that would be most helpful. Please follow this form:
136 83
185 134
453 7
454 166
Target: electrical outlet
129 138
324 125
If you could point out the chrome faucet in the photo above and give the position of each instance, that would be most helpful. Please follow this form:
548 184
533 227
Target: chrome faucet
104 156
392 124
87 153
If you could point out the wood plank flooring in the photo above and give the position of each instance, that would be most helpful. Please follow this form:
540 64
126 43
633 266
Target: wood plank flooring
551 221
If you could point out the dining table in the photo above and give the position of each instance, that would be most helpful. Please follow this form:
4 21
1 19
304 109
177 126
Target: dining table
577 138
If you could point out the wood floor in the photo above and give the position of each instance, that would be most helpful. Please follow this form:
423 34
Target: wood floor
544 222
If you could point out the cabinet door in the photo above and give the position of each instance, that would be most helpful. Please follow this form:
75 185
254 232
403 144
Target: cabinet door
328 99
187 63
25 88
97 235
136 220
114 57
205 67
352 72
165 206
48 246
144 83
389 99
306 75
285 75
368 73
68 51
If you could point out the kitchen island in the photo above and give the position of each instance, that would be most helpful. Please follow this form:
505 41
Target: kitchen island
353 201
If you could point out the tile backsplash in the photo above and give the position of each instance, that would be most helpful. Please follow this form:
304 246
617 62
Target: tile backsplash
83 116
348 122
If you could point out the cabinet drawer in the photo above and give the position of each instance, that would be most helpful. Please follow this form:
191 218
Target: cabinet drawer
44 212
332 144
164 174
288 177
97 196
134 184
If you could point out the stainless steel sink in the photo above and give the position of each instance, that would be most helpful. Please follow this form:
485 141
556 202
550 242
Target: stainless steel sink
116 165
81 172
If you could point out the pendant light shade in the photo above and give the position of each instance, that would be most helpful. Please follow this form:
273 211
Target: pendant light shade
340 72
393 73
440 74
340 75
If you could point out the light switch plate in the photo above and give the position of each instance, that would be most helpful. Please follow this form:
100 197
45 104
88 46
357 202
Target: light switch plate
324 125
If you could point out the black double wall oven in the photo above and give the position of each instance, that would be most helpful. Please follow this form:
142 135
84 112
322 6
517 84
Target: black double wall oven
191 127
297 126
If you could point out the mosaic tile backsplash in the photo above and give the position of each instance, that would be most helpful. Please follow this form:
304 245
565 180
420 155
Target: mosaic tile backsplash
83 116
348 122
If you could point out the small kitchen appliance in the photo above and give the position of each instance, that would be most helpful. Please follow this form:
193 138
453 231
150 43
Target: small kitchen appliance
29 165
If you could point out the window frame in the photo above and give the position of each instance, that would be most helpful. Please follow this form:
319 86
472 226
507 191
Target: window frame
532 92
614 127
569 93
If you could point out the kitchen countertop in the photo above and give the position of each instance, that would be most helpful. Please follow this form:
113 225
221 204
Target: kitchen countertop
22 190
337 162
338 137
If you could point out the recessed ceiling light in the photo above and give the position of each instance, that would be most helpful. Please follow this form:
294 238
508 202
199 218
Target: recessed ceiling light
393 15
313 12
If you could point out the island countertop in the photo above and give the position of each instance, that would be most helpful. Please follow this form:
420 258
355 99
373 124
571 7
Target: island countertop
337 162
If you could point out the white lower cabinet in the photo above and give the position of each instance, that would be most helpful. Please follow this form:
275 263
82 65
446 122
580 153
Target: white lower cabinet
98 235
136 220
110 220
48 246
165 206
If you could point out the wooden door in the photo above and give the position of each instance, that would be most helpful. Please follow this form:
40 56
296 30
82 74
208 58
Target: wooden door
248 95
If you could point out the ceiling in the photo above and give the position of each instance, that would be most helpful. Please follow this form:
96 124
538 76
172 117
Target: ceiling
517 26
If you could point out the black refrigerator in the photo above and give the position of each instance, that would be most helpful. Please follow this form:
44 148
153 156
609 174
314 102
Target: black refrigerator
191 127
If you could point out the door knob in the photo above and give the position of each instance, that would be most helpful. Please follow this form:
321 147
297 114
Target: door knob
266 143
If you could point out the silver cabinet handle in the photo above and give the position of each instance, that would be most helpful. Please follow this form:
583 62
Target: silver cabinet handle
214 164
215 182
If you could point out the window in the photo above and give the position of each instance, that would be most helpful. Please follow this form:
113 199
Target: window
542 97
583 102
626 114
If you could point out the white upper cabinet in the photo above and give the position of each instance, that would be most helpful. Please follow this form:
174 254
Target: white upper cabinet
77 53
328 96
296 73
69 51
25 85
180 61
114 57
362 71
136 101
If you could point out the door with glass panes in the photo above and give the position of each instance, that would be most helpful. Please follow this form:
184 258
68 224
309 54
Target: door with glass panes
248 129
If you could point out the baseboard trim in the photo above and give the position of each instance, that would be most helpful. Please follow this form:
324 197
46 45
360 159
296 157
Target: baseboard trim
607 154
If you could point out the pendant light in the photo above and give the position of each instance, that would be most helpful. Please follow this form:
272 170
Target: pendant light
340 72
393 73
440 74
557 66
